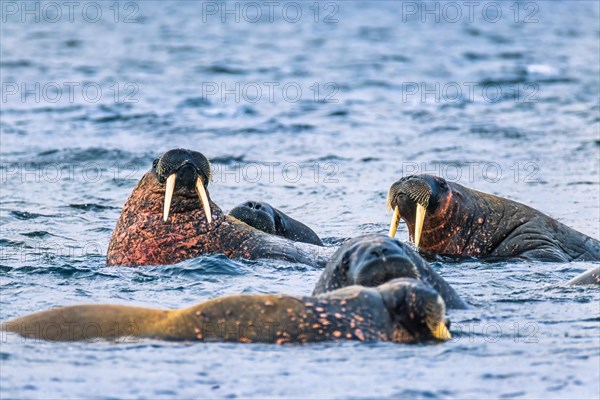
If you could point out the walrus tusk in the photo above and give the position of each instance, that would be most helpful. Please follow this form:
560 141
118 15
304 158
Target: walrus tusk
169 195
420 218
204 199
394 224
441 332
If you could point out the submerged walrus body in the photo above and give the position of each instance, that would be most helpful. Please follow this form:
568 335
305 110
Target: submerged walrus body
169 217
371 260
403 310
447 219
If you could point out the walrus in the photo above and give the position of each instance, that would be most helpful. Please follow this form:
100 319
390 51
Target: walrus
589 277
403 310
170 217
371 260
267 218
448 219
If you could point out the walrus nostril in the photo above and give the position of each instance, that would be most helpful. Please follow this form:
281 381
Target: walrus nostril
376 253
380 252
253 205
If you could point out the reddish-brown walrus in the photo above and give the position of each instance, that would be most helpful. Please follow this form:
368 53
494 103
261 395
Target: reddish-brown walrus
403 310
169 217
447 219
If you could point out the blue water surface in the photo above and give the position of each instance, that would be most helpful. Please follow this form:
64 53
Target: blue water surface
316 108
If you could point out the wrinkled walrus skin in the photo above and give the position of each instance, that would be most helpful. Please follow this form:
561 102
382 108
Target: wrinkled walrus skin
459 222
371 260
142 236
589 277
400 311
267 218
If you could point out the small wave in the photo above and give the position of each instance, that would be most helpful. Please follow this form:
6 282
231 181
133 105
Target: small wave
25 215
198 267
37 234
222 69
194 102
125 117
63 271
92 207
227 160
16 64
73 155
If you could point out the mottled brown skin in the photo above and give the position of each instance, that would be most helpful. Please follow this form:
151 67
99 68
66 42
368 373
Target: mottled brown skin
141 237
589 277
465 223
372 260
399 311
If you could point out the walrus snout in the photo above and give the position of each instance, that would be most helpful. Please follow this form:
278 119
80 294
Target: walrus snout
183 170
256 214
411 198
173 160
416 308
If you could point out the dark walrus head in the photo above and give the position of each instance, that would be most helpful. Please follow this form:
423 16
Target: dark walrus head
448 219
369 260
413 197
267 218
374 259
415 309
185 173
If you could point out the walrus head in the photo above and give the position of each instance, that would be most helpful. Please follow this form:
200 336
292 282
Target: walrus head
375 259
169 215
370 260
412 198
261 216
186 173
371 263
267 218
417 310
